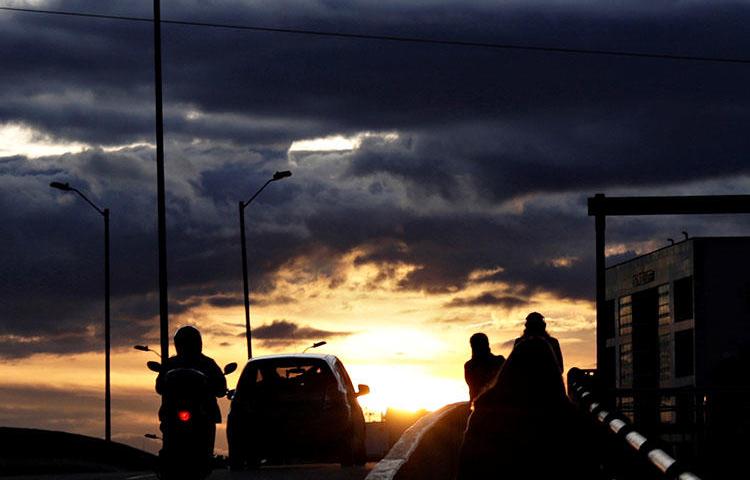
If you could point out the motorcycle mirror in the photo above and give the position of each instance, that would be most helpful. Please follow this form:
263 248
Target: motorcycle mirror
154 366
230 367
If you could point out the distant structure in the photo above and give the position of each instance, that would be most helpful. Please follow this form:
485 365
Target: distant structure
676 340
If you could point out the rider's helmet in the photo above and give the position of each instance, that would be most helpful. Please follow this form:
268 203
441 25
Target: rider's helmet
188 342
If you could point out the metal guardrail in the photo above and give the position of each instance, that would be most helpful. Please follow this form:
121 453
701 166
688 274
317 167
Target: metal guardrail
580 392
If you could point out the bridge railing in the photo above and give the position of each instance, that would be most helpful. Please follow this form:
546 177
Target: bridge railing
643 451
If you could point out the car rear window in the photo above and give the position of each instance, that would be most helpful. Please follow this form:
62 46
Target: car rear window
287 380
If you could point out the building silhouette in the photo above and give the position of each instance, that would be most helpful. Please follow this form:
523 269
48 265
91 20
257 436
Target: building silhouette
677 342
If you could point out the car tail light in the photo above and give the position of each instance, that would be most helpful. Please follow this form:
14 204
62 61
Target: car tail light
184 415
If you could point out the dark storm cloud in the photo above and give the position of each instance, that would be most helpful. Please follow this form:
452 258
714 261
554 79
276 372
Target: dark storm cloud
446 249
284 332
488 299
52 283
638 145
225 301
318 81
478 131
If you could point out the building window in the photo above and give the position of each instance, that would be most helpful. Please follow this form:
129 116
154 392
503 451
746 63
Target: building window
626 365
683 353
609 319
625 315
668 409
665 357
625 406
664 314
683 299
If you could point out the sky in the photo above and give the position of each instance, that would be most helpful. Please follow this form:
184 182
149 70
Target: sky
437 190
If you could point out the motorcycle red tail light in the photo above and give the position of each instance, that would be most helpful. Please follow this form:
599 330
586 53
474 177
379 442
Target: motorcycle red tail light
184 415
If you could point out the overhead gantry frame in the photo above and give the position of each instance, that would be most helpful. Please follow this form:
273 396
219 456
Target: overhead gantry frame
601 206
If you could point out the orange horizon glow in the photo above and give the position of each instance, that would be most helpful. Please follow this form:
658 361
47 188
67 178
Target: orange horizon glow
408 347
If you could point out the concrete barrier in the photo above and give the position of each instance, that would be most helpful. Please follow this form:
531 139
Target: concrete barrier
428 449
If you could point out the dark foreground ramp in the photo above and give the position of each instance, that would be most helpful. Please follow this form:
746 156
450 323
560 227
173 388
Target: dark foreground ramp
287 472
27 451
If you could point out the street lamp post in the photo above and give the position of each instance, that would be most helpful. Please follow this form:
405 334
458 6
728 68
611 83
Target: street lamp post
246 289
107 397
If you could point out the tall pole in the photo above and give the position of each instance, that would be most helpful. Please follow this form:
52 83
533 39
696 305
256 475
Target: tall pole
160 196
245 286
65 187
107 395
248 335
601 315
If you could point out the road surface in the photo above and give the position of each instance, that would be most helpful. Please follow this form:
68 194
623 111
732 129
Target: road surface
293 472
287 472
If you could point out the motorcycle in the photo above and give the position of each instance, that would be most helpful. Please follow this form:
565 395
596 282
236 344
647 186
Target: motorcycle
187 423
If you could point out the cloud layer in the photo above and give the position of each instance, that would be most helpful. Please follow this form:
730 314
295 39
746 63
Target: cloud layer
467 160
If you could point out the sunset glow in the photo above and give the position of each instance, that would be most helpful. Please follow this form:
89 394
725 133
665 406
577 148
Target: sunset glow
405 347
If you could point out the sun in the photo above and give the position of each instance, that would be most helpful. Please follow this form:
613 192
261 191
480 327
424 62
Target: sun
406 387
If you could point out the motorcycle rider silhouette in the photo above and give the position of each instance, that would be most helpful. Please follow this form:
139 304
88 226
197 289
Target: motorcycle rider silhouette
189 383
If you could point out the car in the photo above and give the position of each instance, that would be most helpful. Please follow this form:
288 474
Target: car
295 408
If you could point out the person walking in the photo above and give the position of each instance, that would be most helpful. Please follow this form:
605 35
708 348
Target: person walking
537 327
480 371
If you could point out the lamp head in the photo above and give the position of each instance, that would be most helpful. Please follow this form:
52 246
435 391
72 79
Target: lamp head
65 187
142 348
280 175
315 345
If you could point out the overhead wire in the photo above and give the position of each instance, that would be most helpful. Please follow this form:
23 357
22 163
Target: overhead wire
396 38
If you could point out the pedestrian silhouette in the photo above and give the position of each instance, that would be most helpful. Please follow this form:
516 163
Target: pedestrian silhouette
524 426
480 371
537 327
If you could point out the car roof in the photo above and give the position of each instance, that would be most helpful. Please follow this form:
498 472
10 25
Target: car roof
329 359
